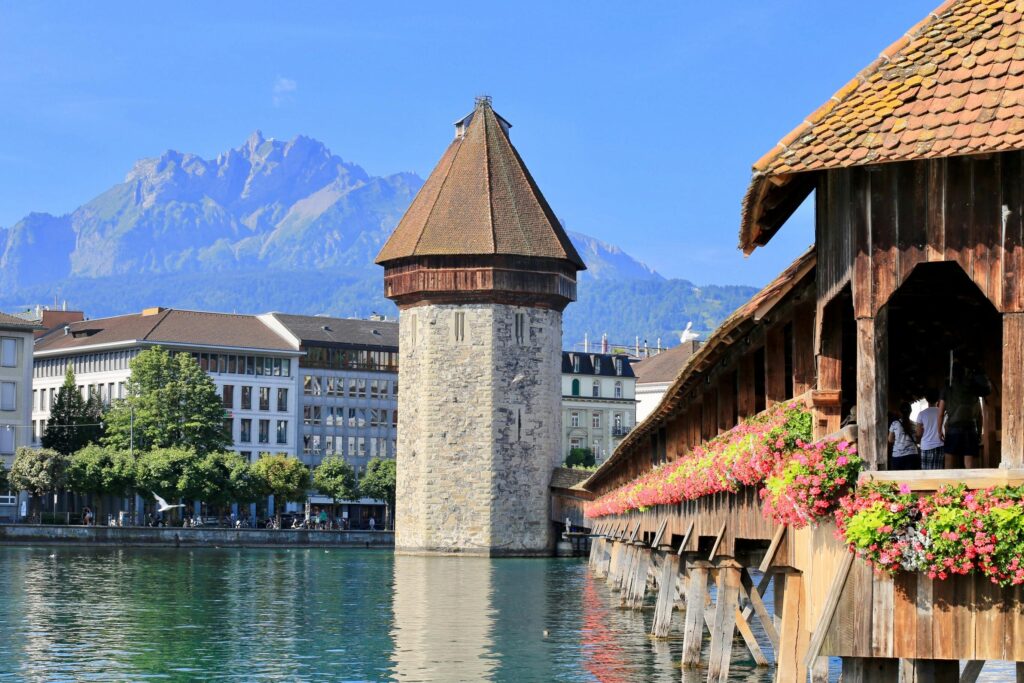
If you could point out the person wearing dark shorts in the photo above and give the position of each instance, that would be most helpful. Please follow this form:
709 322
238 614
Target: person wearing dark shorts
961 408
929 434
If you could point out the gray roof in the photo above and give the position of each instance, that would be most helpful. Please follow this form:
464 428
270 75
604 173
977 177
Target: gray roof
322 330
10 322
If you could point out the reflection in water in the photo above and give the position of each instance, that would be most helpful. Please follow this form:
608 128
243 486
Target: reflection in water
303 615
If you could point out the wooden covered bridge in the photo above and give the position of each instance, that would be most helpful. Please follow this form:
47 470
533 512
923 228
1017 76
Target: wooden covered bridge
917 171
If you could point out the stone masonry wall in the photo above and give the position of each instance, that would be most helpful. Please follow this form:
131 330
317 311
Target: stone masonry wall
479 426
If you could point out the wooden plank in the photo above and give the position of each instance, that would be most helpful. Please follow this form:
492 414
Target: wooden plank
718 541
773 548
745 399
904 615
693 622
1012 253
828 611
743 626
923 642
1015 627
911 216
943 645
1013 391
935 226
726 607
860 232
686 539
868 670
882 217
882 615
933 480
775 366
862 585
726 402
803 348
971 671
963 616
789 659
986 227
660 533
989 619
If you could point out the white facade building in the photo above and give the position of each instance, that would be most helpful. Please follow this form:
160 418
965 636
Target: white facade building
15 398
598 401
654 375
255 369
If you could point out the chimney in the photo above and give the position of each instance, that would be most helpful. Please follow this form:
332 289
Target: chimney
586 343
657 349
67 330
647 351
152 311
636 349
604 343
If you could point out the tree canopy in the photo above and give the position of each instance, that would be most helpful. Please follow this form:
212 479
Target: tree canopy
286 478
336 478
175 405
74 421
101 470
170 473
378 481
38 471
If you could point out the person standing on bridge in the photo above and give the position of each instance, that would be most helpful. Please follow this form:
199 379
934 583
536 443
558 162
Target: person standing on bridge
901 439
929 433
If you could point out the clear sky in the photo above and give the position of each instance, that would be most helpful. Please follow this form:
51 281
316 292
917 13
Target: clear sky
639 120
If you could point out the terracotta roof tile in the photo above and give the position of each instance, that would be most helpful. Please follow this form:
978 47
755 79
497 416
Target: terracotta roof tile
480 200
965 60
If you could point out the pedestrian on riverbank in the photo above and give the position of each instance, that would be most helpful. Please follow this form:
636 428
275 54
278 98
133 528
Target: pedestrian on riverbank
373 523
929 433
86 516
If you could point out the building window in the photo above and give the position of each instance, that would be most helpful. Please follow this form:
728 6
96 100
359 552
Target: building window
595 389
618 366
8 396
8 352
282 400
8 497
6 440
312 415
595 420
245 433
264 398
264 431
575 363
520 327
574 418
282 431
597 365
229 428
246 398
618 420
228 395
618 390
575 387
460 326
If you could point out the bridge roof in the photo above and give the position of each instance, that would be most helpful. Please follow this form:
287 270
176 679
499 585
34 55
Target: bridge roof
480 200
724 336
953 85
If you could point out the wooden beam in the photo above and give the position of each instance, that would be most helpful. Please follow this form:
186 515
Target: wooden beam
971 671
693 623
773 548
666 596
745 400
803 348
686 538
661 532
869 670
828 610
1012 447
757 606
726 604
718 542
789 662
775 366
872 390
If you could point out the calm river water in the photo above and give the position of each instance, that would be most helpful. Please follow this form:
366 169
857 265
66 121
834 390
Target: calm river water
315 615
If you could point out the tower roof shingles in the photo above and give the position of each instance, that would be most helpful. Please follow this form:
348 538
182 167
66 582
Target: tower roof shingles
480 200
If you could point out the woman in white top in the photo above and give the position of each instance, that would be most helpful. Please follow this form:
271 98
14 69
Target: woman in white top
901 439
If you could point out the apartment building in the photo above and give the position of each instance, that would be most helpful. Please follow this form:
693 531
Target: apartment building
254 368
598 401
15 398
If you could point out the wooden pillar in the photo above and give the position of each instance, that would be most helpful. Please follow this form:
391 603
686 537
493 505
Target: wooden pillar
615 564
775 366
667 586
794 634
819 672
693 624
803 349
745 400
726 402
709 428
828 398
873 390
724 628
637 591
1013 391
870 670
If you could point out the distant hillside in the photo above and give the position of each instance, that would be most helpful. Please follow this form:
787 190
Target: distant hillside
288 226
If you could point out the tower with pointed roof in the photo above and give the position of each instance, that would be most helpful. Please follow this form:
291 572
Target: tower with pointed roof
481 271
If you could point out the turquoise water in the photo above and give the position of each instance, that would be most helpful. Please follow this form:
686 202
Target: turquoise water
94 614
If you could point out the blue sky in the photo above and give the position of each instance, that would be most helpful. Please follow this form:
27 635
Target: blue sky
639 120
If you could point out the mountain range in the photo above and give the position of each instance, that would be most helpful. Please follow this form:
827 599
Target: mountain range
290 226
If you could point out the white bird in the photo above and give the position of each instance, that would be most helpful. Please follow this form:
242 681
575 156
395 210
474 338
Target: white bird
687 334
164 507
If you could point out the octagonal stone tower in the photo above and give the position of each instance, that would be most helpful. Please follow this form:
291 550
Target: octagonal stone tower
481 271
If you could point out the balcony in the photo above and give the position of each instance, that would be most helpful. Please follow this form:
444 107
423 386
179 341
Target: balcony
619 432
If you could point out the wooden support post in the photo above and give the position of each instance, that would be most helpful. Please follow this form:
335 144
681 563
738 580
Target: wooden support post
666 596
1012 446
638 587
615 564
803 348
873 390
830 377
794 635
726 607
971 671
819 672
873 670
727 402
693 624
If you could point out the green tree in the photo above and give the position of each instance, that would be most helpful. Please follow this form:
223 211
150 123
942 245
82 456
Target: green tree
171 403
580 457
74 421
378 481
38 471
336 478
287 479
101 471
170 473
226 477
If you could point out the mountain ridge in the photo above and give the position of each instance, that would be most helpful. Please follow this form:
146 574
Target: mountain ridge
266 223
